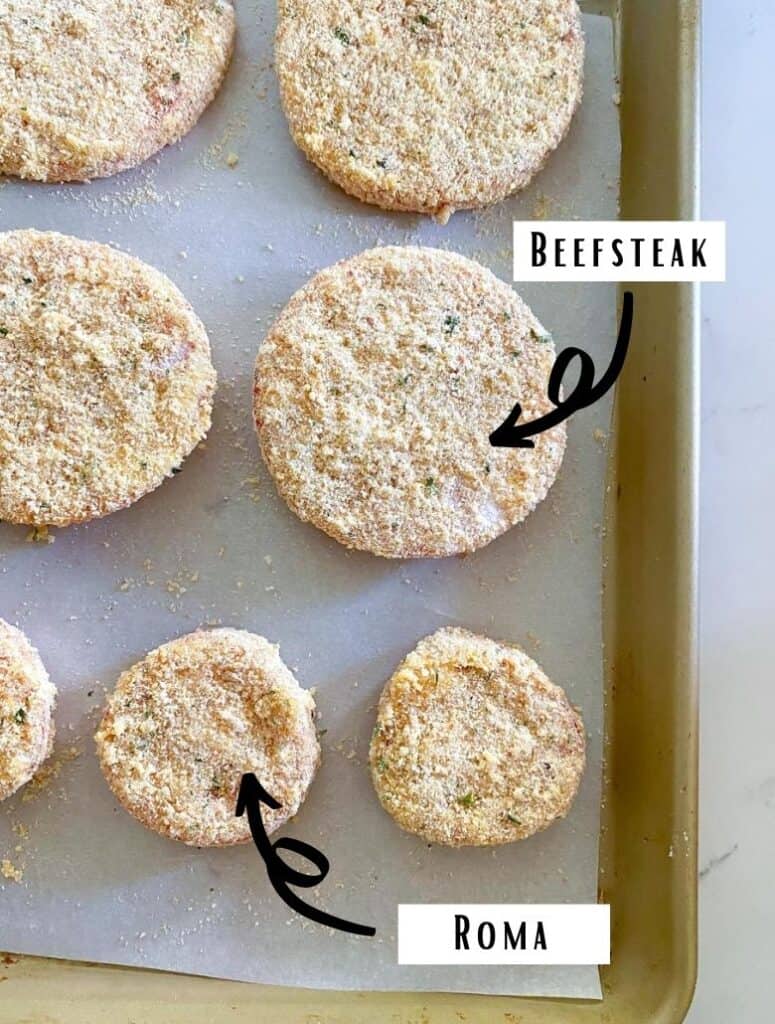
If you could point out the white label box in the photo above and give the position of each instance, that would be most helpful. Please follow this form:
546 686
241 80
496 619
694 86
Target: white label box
503 933
619 250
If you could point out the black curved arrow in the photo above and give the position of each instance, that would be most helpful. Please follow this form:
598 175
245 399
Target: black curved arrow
512 434
251 795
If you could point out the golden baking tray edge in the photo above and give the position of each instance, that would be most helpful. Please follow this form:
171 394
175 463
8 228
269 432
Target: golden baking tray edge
648 851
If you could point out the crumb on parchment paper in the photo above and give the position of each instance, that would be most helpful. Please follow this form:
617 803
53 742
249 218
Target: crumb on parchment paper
127 201
40 535
10 871
50 771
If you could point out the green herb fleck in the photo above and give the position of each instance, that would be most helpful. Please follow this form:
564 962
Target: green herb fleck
3 332
353 154
27 280
176 470
430 485
404 380
381 764
451 321
20 716
143 465
342 36
382 162
467 800
423 19
176 77
513 820
506 315
487 468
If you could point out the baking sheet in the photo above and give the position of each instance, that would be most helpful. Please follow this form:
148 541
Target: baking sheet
216 546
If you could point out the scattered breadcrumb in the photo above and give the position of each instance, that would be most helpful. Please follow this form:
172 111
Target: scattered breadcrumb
10 871
50 772
40 535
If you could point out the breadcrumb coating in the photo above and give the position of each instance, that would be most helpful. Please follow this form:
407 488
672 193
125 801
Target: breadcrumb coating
27 698
106 382
185 723
90 87
426 105
376 391
473 745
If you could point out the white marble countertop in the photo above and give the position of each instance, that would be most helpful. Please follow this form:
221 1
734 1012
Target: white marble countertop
737 774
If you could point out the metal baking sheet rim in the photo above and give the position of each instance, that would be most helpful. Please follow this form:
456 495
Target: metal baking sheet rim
660 112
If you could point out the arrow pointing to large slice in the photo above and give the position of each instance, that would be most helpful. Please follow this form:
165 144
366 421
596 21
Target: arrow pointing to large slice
513 434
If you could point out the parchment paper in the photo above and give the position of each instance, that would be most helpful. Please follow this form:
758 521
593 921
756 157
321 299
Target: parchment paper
215 545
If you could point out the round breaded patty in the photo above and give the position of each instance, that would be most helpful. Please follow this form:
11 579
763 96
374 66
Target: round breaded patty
473 745
27 698
90 87
185 723
429 106
377 389
106 382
